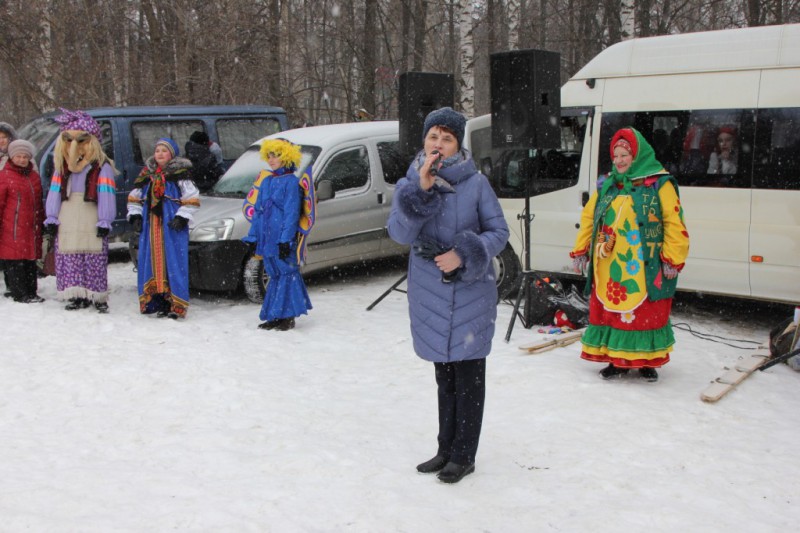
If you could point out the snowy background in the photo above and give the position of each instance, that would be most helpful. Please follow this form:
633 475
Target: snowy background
122 422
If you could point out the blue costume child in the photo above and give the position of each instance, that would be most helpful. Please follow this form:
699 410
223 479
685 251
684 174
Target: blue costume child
274 206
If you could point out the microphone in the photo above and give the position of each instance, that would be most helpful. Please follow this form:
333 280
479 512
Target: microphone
434 166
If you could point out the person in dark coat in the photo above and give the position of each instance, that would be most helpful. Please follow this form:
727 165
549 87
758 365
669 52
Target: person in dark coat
206 169
21 219
447 211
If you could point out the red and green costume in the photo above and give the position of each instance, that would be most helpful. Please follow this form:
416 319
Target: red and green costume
630 299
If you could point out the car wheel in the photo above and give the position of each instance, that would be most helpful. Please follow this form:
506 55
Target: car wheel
506 269
254 279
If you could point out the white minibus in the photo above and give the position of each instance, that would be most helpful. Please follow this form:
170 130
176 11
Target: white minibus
692 96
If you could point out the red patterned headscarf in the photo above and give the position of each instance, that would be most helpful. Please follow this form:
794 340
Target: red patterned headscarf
627 139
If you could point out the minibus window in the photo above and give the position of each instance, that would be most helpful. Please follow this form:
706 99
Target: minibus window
106 132
145 135
776 163
700 148
235 135
516 171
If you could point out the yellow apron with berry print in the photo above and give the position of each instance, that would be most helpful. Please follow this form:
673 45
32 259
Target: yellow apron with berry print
619 269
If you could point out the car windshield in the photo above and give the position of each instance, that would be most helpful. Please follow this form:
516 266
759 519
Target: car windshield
39 132
238 180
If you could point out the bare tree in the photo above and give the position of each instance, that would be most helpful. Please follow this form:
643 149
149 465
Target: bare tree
466 84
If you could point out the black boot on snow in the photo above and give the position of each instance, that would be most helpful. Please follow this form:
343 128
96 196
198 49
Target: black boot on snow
285 324
611 372
77 303
649 374
453 473
102 307
269 324
432 465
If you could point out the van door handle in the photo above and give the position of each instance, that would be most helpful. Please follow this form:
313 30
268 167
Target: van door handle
380 197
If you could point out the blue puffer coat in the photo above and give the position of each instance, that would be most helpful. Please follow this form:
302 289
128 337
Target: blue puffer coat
451 321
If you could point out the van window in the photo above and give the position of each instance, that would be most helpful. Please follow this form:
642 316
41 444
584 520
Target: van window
776 164
347 170
511 169
235 135
393 163
39 132
701 148
145 135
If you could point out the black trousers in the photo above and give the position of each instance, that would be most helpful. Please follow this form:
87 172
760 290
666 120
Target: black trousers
462 391
21 278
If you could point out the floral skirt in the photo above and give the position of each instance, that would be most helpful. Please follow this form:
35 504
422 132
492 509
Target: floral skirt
642 338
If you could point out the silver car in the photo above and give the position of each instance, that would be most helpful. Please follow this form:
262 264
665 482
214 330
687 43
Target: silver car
355 167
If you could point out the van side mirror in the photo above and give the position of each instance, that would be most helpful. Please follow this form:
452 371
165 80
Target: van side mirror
325 190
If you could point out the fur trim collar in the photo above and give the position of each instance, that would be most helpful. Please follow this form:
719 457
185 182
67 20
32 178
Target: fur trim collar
175 164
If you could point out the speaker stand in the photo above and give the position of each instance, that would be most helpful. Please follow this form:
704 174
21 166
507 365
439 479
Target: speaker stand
528 275
389 291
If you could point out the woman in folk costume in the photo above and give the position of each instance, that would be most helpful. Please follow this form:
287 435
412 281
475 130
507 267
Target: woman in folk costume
633 237
274 206
81 205
160 207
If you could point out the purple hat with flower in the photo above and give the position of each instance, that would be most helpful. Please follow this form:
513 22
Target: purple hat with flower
78 120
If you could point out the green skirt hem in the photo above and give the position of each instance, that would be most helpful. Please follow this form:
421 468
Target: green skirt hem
618 340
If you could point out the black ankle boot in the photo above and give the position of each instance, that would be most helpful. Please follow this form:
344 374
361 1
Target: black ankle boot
611 372
432 465
649 374
77 303
285 324
269 324
102 307
453 473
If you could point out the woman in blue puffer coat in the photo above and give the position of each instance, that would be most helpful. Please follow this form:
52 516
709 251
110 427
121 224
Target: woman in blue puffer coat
447 211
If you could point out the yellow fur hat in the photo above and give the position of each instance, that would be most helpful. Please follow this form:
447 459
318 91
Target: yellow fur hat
288 153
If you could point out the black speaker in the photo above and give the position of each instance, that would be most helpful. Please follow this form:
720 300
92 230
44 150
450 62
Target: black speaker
420 93
526 99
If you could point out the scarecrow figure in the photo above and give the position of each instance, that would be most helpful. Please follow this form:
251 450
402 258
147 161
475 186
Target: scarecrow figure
80 208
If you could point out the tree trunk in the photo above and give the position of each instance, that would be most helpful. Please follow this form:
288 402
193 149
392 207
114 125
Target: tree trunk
627 20
420 28
513 24
369 49
467 81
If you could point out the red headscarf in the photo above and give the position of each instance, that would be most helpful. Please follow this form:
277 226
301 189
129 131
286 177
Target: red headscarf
627 139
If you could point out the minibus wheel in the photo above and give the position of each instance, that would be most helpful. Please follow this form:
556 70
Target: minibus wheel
254 279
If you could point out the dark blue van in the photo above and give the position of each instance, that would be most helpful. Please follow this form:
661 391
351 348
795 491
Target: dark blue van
130 133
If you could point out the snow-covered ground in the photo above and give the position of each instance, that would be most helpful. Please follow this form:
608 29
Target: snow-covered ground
122 422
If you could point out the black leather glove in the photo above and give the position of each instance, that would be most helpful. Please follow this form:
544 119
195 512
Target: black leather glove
284 249
50 229
136 222
428 249
102 232
178 223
